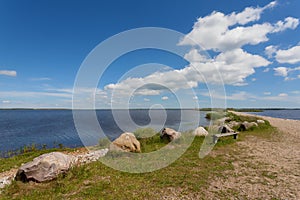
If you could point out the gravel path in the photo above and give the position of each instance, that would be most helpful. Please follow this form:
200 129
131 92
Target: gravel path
264 168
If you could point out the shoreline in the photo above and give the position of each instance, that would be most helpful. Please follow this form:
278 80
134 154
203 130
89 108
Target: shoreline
287 126
262 163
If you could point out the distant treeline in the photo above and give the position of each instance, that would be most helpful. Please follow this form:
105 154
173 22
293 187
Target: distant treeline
233 109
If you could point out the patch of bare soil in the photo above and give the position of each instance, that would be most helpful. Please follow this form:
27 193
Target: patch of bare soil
264 168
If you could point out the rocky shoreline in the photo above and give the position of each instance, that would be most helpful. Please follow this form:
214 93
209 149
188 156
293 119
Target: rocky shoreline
290 128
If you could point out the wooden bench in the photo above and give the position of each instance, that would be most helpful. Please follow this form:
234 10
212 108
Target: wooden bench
217 136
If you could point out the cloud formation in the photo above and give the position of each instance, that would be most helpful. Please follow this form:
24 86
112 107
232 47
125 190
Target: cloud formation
214 32
224 34
8 73
285 72
270 51
291 56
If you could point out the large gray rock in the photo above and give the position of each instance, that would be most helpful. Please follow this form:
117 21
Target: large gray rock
232 124
45 167
260 121
225 129
247 125
126 142
222 121
170 134
200 131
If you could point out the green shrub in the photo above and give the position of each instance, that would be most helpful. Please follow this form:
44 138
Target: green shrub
144 133
104 142
214 115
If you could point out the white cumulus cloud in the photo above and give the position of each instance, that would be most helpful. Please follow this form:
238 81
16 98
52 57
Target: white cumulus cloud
290 56
281 71
234 66
285 72
214 32
288 23
225 34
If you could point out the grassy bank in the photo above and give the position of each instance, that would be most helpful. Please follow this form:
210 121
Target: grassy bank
189 176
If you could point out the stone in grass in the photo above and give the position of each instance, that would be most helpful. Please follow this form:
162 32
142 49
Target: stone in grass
91 156
260 121
126 142
170 134
247 125
200 131
232 124
45 167
225 129
5 181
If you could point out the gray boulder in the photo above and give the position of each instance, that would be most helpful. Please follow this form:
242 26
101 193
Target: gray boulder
232 124
222 121
225 129
247 125
170 134
260 121
126 142
200 131
45 167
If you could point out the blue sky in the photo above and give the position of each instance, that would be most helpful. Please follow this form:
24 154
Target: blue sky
254 44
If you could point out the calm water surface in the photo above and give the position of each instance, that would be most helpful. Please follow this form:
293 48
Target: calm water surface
53 127
285 114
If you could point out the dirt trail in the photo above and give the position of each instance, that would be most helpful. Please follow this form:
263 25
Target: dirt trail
264 168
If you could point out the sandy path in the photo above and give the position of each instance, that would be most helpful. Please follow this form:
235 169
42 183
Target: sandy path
288 126
264 168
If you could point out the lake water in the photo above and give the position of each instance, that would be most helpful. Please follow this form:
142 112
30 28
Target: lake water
52 127
285 114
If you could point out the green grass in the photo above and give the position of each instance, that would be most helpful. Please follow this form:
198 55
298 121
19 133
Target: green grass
187 175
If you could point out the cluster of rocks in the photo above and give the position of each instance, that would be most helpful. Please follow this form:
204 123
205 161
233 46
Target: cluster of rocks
225 125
